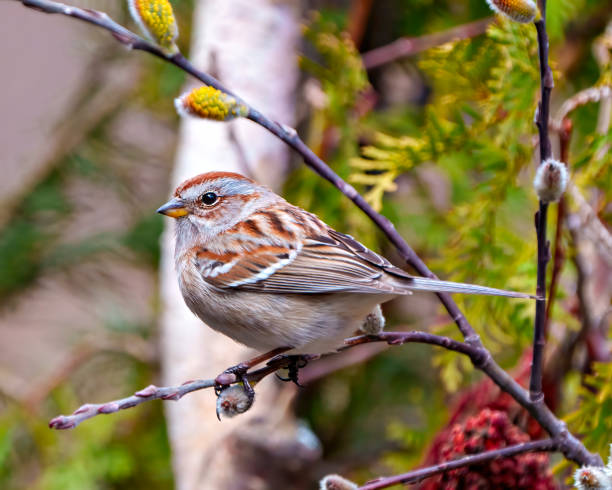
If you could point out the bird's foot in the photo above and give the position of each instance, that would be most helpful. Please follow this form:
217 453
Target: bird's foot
239 372
235 373
295 364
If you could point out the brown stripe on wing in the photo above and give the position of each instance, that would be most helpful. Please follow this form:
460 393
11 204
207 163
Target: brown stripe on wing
248 267
302 222
225 256
318 267
277 227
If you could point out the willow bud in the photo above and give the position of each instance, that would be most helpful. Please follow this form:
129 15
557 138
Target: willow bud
550 180
156 20
336 482
523 11
233 401
374 323
592 478
209 103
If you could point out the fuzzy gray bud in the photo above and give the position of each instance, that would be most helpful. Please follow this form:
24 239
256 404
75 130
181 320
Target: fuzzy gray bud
592 478
233 401
336 482
374 323
550 180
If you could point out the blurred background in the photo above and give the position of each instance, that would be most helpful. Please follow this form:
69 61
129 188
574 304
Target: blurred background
425 106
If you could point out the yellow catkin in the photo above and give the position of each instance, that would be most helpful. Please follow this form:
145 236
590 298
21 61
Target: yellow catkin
523 11
156 19
209 103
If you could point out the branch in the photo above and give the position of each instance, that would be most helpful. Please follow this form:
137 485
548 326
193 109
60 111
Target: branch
571 447
565 135
175 393
478 355
586 96
407 46
548 445
542 117
149 393
153 392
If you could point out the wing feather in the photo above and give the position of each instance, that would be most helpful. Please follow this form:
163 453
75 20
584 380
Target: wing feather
321 264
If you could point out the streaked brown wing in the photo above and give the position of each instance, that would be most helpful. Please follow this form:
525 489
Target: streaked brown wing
322 264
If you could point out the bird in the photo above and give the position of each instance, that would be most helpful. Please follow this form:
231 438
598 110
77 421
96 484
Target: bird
275 277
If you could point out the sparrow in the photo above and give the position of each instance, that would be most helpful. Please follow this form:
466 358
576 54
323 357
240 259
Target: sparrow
275 277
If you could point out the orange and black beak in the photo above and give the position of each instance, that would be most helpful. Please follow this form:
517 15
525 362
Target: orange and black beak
175 208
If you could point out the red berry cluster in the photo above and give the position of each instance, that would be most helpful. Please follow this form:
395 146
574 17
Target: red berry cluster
490 429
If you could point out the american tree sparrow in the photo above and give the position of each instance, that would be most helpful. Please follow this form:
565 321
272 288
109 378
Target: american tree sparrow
275 277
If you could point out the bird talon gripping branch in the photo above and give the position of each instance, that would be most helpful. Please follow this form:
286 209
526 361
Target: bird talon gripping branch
295 364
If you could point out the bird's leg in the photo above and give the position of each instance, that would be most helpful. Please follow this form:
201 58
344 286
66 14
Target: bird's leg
239 371
295 364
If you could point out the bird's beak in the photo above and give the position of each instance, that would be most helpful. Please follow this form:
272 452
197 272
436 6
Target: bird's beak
175 208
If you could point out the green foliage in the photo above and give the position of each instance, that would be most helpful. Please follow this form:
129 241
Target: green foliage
340 70
342 80
593 165
477 129
593 417
129 450
474 123
475 134
24 240
559 13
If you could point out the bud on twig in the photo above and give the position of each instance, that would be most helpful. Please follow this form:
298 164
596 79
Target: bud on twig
233 401
209 103
374 323
550 180
156 19
592 478
523 11
336 482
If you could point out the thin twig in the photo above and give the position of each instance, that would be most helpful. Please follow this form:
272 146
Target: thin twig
542 117
175 393
149 393
595 341
586 96
408 46
415 476
479 355
565 135
358 19
571 447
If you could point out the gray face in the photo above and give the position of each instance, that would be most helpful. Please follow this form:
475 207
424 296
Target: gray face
217 205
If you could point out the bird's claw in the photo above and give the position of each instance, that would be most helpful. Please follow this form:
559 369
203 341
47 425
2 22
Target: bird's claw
231 375
295 364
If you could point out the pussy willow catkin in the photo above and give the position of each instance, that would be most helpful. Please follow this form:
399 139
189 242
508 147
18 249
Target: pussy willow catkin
523 11
209 103
156 19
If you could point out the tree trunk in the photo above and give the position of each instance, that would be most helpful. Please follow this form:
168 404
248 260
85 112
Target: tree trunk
250 46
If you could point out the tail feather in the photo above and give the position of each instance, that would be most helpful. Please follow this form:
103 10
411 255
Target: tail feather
425 284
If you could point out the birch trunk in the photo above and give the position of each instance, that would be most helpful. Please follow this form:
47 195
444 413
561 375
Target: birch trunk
251 47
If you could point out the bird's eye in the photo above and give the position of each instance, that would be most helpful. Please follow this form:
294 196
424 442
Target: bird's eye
209 198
